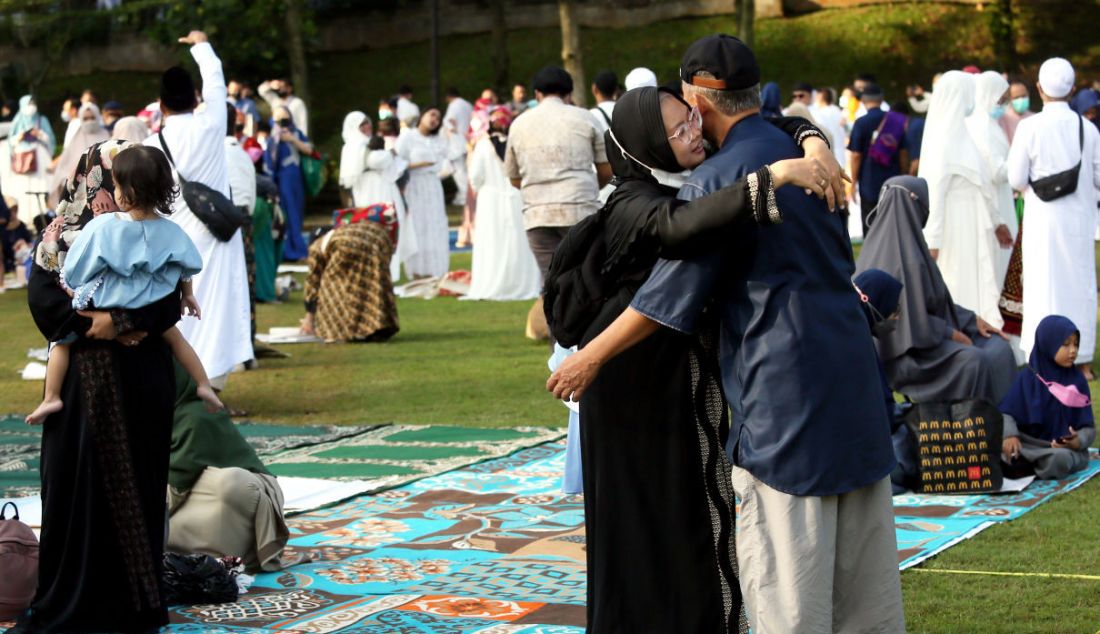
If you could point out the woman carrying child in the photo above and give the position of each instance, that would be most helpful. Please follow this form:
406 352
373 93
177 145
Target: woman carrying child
1048 412
105 453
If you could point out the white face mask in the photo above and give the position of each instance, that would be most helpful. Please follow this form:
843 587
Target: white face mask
668 179
65 116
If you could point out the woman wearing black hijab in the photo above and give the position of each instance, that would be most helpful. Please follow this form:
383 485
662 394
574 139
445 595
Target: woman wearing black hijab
659 508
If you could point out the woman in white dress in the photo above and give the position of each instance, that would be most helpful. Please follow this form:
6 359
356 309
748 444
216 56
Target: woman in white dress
503 266
963 225
990 96
425 150
370 172
31 134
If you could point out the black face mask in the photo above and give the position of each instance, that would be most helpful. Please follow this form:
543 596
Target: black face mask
284 122
884 328
283 93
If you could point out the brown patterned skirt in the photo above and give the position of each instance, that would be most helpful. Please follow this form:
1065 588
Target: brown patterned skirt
1011 302
349 289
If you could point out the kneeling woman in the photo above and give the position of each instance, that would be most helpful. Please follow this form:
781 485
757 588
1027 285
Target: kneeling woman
658 499
1048 412
349 293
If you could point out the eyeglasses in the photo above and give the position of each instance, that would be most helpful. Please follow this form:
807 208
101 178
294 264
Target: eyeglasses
685 132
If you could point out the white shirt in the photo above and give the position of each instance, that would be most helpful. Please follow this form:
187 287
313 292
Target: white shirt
196 139
242 174
601 109
457 118
406 110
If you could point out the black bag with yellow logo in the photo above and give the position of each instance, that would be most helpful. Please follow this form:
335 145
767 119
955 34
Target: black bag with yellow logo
958 446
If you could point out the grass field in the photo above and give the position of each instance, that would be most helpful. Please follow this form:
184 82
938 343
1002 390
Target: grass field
467 363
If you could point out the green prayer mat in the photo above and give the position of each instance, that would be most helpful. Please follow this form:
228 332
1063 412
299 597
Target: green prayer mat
20 445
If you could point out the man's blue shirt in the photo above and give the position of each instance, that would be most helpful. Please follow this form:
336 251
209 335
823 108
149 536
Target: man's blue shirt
798 364
871 174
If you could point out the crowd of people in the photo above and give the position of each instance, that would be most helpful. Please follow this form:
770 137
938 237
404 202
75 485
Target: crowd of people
689 244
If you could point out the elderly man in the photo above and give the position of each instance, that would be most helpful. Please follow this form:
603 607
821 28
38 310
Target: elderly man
195 144
815 529
1059 277
550 154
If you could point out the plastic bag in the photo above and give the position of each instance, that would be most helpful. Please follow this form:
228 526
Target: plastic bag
198 579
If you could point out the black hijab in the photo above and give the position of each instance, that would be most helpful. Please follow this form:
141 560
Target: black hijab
637 139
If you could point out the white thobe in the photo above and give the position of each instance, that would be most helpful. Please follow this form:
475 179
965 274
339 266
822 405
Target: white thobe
242 174
832 120
223 337
1059 260
992 144
503 267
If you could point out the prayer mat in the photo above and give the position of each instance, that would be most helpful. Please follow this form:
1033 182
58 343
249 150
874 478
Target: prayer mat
493 548
20 445
930 524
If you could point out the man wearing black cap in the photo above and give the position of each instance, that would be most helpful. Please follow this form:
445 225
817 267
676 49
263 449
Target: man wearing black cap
871 174
550 156
809 435
195 144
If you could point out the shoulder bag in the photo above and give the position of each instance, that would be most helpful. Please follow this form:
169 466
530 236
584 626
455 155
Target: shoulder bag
1064 183
217 212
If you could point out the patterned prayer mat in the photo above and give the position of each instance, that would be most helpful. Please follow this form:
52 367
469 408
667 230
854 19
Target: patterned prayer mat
20 445
929 524
493 548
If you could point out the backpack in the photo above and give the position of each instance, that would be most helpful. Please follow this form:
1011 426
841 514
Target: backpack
18 564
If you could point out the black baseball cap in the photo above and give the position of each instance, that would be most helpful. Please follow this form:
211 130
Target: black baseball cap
873 91
728 59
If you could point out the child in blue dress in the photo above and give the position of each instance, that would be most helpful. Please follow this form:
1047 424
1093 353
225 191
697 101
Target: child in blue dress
130 259
1048 412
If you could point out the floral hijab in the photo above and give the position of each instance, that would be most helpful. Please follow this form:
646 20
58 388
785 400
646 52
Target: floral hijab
89 192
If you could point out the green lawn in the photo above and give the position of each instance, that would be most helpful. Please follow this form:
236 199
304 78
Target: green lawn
467 363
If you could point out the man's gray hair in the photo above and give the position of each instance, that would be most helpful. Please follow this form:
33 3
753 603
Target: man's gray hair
728 102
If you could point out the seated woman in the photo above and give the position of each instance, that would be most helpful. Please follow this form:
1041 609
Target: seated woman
349 293
222 501
940 351
1048 413
880 293
658 501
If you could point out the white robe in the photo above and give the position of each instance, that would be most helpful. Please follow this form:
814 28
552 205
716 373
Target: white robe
427 212
378 184
1058 248
503 266
962 217
223 337
992 143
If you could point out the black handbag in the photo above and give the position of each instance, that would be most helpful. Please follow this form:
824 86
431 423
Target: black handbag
958 446
217 212
1064 183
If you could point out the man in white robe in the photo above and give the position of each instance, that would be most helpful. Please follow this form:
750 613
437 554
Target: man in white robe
196 141
1059 261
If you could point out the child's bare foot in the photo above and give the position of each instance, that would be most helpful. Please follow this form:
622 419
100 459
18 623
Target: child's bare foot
49 406
210 397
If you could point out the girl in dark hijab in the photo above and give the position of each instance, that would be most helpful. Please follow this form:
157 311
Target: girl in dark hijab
940 351
1048 412
659 540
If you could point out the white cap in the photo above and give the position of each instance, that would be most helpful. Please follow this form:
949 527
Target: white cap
1056 77
640 76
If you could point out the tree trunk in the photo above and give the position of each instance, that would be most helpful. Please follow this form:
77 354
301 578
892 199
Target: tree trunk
571 51
1003 30
500 49
436 97
299 72
746 21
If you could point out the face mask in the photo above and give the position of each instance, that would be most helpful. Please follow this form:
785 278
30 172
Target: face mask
65 116
385 114
668 179
1067 395
884 328
282 93
1021 104
998 111
284 122
30 110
